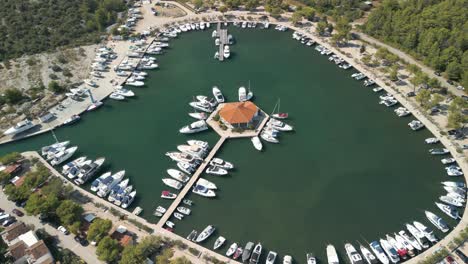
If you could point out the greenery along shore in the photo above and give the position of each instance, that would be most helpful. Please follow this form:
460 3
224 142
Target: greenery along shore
30 27
434 31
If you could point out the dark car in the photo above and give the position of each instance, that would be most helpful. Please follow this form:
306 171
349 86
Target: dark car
450 82
20 203
437 73
461 255
410 94
81 240
18 212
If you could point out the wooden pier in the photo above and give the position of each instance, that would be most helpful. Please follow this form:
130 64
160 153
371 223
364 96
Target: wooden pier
188 187
223 40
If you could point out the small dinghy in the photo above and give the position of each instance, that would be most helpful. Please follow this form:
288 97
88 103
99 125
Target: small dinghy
232 249
238 253
192 235
219 242
168 195
170 224
178 216
277 114
183 210
187 202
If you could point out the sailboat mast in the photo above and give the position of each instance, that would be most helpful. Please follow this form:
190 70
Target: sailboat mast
55 137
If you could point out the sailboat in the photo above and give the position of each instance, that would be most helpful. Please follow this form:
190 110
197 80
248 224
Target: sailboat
278 114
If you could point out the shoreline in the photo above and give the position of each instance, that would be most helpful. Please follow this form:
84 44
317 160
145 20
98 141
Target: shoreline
105 88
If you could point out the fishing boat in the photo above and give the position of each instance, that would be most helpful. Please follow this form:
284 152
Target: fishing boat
379 252
178 216
95 184
411 240
203 191
215 170
238 253
194 127
63 156
257 143
178 175
207 184
332 256
353 255
202 144
219 242
172 183
429 234
439 151
192 235
390 251
310 259
432 140
368 256
19 127
168 195
183 210
232 249
257 251
46 149
221 163
449 210
276 112
199 115
447 160
207 232
247 251
218 95
71 120
271 257
437 221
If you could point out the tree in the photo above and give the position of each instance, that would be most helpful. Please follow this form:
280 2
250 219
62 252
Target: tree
180 260
435 100
321 28
69 212
457 118
223 9
433 83
98 229
75 227
10 158
251 5
13 96
132 255
454 70
4 177
394 73
296 17
423 98
343 28
55 87
108 250
308 13
366 59
198 4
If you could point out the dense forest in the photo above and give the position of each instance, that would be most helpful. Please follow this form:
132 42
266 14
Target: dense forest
29 27
435 31
351 9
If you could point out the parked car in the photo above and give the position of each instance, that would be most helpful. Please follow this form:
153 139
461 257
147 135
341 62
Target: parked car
450 82
8 222
410 94
63 230
437 73
461 255
450 260
18 212
81 240
20 203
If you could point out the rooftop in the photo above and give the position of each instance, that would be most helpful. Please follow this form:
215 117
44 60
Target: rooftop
238 112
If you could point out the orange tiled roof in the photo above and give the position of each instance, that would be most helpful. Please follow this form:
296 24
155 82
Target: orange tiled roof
236 113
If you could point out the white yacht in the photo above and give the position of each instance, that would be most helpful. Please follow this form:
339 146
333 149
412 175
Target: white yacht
411 240
207 232
332 256
71 164
257 143
186 167
215 170
227 52
105 187
194 150
98 181
231 249
353 255
402 111
279 125
449 210
19 127
415 125
132 82
172 183
271 257
447 160
207 184
201 106
429 234
221 163
128 199
268 137
455 201
219 242
432 140
242 94
88 171
390 250
182 156
418 235
75 170
178 175
194 127
218 95
124 92
202 144
402 242
116 96
437 221
63 156
439 151
199 115
203 191
368 256
454 184
46 149
379 252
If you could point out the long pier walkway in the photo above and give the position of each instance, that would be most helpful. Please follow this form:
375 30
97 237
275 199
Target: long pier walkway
223 40
190 183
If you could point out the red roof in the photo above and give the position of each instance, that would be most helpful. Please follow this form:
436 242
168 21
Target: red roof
237 113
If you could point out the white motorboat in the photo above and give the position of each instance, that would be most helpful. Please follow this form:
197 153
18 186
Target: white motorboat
257 143
432 140
193 150
390 251
124 92
452 200
447 160
215 170
221 163
454 184
449 210
63 156
128 199
203 191
377 89
457 196
379 252
310 258
54 152
402 111
94 106
117 189
415 125
178 216
183 210
195 127
460 191
88 171
132 82
184 157
207 184
71 120
199 115
172 183
269 138
45 150
116 96
219 242
75 170
454 171
242 94
170 224
226 52
437 221
19 127
75 163
218 95
279 125
257 251
202 144
178 175
429 234
202 106
332 256
400 248
168 195
288 260
207 232
271 257
214 34
95 184
231 249
353 255
106 186
439 151
368 256
411 240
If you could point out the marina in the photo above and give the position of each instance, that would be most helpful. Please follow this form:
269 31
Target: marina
303 194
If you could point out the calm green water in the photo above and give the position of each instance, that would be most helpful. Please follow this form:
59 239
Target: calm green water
351 171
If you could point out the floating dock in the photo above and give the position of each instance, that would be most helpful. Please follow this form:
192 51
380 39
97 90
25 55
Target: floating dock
223 40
